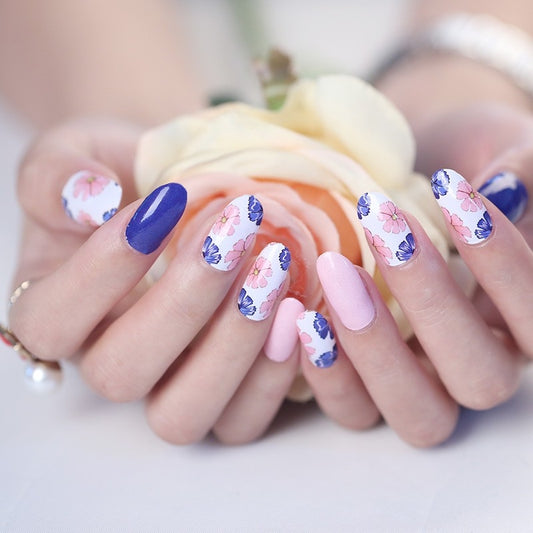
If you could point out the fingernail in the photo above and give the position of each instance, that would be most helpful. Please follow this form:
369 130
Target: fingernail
90 199
283 335
386 228
317 338
507 193
345 291
264 282
461 206
154 219
233 233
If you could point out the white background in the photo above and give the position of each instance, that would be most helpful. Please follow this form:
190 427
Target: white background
73 462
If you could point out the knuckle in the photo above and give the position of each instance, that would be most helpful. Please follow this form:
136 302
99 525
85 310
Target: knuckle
361 421
171 427
432 432
109 379
235 438
489 393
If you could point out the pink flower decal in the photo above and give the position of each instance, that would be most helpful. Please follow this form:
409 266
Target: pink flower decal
268 304
89 185
85 218
306 341
229 218
471 200
379 244
239 248
392 218
457 224
259 273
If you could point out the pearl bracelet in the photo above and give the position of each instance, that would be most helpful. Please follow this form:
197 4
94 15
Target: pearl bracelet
482 38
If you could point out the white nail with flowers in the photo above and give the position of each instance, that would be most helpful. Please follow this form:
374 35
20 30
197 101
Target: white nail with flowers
264 283
386 228
461 206
233 233
91 199
317 339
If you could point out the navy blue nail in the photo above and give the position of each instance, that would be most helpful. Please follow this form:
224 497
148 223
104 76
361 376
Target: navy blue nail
155 217
507 193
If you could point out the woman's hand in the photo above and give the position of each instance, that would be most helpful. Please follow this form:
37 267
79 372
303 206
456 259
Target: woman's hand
467 353
192 342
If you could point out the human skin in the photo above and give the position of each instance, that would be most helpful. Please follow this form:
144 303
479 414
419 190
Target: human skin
352 392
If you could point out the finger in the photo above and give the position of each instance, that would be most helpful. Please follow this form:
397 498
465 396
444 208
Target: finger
254 405
476 368
174 310
78 170
335 383
503 180
209 376
494 250
411 399
55 317
258 398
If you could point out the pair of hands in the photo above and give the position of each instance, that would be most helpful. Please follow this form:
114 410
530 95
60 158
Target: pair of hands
89 299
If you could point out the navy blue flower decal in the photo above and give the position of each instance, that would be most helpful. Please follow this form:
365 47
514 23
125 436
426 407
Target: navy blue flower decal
322 327
484 227
326 359
64 202
284 258
440 183
363 206
406 248
255 210
210 251
109 214
246 304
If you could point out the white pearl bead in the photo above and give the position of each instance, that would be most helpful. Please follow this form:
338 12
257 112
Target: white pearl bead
42 377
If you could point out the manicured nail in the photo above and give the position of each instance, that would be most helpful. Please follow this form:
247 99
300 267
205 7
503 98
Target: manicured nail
233 233
90 199
345 291
386 228
155 217
264 282
461 206
283 335
317 338
507 193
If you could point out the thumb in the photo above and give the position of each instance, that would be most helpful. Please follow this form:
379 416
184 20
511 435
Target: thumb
74 176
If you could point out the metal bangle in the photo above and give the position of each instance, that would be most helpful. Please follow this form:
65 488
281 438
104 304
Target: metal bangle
481 38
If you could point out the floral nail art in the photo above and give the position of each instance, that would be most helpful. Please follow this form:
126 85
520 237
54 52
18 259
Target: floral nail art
386 228
508 193
90 199
264 283
233 233
461 206
317 338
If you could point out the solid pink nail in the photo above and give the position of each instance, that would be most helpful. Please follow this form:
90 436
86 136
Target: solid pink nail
345 291
283 334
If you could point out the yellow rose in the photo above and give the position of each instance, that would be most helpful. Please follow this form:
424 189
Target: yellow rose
334 139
